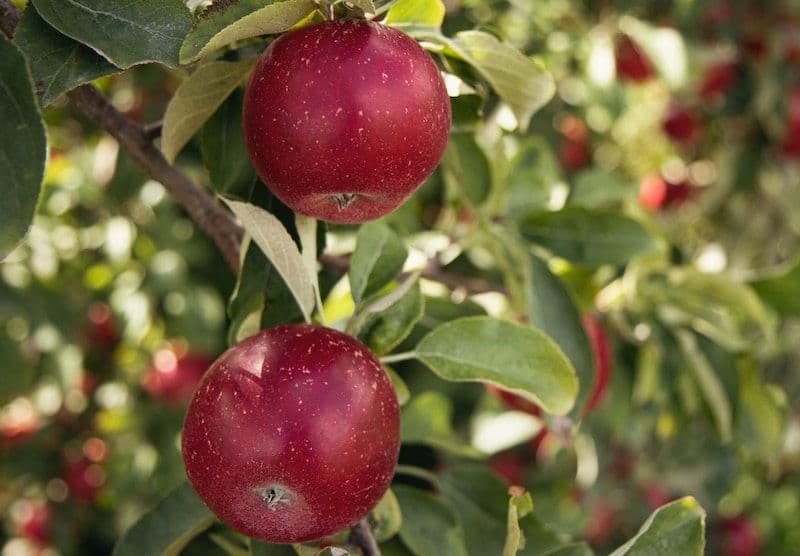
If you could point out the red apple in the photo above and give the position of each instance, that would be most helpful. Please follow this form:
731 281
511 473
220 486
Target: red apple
102 331
600 527
655 495
574 155
344 120
793 110
18 421
293 434
718 79
739 537
173 378
34 521
632 63
84 478
510 467
655 193
681 124
604 361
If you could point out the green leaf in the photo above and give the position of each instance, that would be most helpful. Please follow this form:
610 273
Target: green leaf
23 151
534 175
551 308
597 188
197 98
424 12
125 33
467 165
377 259
224 152
385 330
430 528
427 420
726 311
386 518
709 382
590 238
518 80
480 499
19 373
519 505
400 386
276 243
258 548
780 289
514 357
228 22
57 63
761 418
676 528
365 6
167 528
572 549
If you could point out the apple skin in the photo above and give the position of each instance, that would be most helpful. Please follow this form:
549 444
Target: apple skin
344 120
293 434
632 64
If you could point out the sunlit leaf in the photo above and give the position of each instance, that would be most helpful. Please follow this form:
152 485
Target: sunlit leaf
197 99
427 419
276 243
228 22
677 528
426 12
386 518
517 358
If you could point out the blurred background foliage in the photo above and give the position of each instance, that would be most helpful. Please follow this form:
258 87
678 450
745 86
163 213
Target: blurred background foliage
683 113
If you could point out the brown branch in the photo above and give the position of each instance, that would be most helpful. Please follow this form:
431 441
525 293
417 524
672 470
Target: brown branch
432 271
202 207
361 536
9 18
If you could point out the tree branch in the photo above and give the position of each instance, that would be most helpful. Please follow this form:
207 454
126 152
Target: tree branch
361 536
202 207
432 271
9 18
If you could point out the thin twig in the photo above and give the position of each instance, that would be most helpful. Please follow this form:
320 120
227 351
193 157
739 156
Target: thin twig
432 271
202 207
9 18
361 536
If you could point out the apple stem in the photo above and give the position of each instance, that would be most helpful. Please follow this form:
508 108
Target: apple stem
361 536
396 357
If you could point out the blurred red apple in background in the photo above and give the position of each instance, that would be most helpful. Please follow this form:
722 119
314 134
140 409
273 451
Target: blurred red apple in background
655 193
681 123
33 520
718 79
84 478
173 378
739 537
632 64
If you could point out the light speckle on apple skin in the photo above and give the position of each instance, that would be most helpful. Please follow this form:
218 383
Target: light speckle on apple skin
345 107
315 418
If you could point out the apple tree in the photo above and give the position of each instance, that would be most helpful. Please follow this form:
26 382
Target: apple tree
401 277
